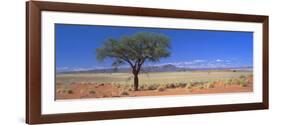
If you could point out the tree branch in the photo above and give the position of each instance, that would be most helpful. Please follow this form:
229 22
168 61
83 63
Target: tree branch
139 64
128 61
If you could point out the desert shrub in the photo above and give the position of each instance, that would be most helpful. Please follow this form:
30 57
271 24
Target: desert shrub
157 85
190 90
101 84
249 81
143 87
92 92
163 86
192 85
201 87
210 85
242 77
197 84
118 86
189 86
171 85
161 89
124 93
64 91
69 91
166 86
152 87
243 83
180 85
126 86
130 89
234 82
229 82
183 85
177 85
59 91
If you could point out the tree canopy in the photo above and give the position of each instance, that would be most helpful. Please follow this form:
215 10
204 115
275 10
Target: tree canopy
135 50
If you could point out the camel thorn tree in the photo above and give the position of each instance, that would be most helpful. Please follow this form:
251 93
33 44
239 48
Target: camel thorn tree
135 50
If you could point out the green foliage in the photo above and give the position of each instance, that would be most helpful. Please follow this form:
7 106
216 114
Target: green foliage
135 49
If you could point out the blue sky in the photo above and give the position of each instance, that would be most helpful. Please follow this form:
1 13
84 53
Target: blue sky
76 45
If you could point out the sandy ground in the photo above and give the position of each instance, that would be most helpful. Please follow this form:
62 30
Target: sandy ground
80 91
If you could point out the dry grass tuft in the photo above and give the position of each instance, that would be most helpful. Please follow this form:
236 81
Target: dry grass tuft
92 92
124 93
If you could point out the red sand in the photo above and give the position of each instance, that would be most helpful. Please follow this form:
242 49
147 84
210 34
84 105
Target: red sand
78 91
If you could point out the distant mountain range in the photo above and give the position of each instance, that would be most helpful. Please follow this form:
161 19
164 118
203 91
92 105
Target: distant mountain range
162 68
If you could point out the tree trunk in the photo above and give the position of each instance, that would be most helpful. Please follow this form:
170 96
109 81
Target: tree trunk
136 82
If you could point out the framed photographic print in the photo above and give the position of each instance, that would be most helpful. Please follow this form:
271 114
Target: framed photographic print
94 62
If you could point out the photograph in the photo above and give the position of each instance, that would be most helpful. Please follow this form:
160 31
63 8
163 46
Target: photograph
96 61
99 62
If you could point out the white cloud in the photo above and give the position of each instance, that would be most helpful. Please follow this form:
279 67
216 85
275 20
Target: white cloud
182 64
62 68
197 63
219 60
